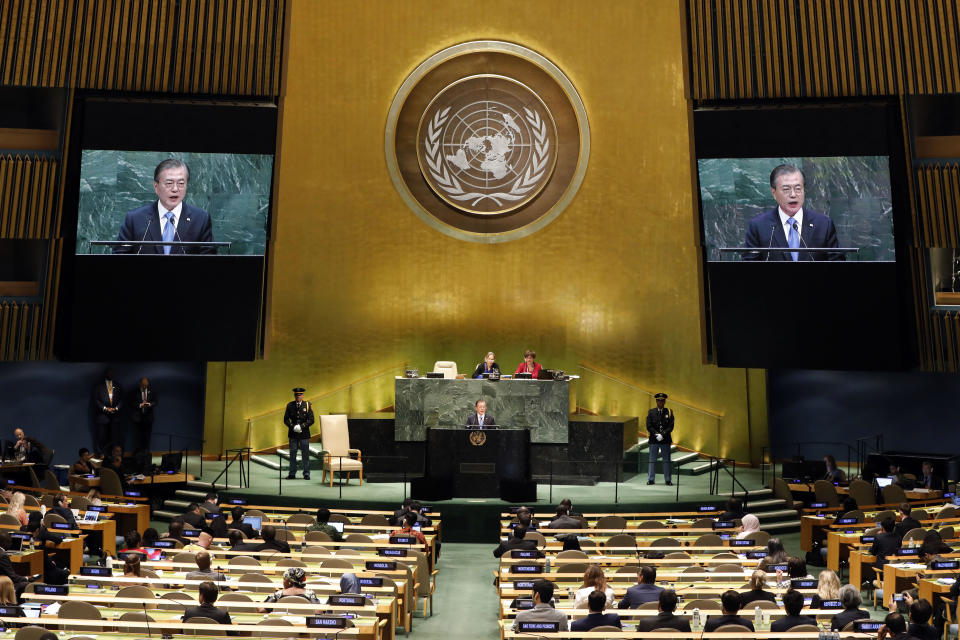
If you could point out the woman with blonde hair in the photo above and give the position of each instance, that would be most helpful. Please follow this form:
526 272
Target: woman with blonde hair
489 365
758 580
15 508
8 594
828 588
593 580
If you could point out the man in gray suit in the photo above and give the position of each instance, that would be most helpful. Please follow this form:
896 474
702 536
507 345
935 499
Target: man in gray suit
543 610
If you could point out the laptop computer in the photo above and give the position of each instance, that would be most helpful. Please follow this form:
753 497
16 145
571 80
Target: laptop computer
253 521
883 481
337 525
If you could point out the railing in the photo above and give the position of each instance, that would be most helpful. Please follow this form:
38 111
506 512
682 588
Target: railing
601 393
369 393
716 464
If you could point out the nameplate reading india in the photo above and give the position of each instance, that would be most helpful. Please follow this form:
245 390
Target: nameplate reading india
540 406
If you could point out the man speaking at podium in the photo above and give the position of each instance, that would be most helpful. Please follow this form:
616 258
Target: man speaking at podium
169 219
480 419
789 225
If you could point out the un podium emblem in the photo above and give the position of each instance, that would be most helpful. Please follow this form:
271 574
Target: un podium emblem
487 141
478 438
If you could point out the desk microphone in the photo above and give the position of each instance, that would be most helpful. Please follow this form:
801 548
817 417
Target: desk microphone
149 222
802 241
146 618
773 228
176 234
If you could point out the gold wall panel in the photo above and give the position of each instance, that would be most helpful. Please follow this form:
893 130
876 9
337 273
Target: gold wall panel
359 283
818 48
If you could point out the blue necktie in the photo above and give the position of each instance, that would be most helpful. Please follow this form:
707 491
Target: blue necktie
793 239
169 230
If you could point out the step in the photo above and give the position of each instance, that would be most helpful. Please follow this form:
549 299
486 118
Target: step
265 462
784 526
759 505
178 504
754 493
163 514
193 496
772 515
220 486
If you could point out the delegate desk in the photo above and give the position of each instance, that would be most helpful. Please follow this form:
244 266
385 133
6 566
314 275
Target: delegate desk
541 407
487 463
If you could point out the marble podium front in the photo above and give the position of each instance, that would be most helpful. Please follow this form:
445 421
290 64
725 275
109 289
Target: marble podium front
541 406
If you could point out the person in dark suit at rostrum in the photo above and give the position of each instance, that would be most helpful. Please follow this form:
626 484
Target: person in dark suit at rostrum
480 419
788 225
107 402
144 401
667 604
659 428
516 541
646 589
298 418
596 601
169 218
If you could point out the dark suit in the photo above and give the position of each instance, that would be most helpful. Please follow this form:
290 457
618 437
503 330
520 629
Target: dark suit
885 544
195 520
639 594
931 482
746 597
245 546
659 422
922 631
482 369
594 620
274 545
6 569
905 526
299 413
663 620
143 223
845 617
142 417
766 230
66 514
715 622
207 611
108 424
787 622
473 421
512 543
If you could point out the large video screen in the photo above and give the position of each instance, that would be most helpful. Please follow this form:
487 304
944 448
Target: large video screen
222 198
840 201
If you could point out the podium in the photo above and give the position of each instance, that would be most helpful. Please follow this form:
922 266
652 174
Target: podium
476 463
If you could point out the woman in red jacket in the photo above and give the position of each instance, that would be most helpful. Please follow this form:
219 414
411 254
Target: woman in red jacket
529 364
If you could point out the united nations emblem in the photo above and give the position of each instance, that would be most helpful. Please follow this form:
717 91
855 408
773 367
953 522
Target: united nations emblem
487 141
478 438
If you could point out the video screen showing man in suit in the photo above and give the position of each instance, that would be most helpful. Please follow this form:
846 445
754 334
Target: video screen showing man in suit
789 224
169 218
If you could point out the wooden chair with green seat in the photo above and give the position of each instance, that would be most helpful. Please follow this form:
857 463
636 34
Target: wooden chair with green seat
825 491
110 484
79 610
137 616
50 481
30 632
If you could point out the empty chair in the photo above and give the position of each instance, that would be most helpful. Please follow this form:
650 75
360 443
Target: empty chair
693 569
894 494
632 569
240 561
700 603
572 554
650 606
728 568
30 501
301 518
110 484
947 533
426 581
863 492
30 632
78 610
825 491
50 481
317 536
291 562
148 573
138 591
916 534
724 555
758 538
919 514
336 563
540 540
286 535
856 513
702 523
447 367
337 452
261 583
572 567
174 600
375 520
763 604
883 515
316 550
10 519
678 555
51 517
136 616
185 556
621 540
256 513
339 517
611 522
781 490
358 537
80 503
229 596
666 542
584 544
947 512
708 540
278 622
651 524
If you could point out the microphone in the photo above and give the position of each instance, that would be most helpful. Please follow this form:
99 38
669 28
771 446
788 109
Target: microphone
802 242
146 618
773 228
176 235
149 222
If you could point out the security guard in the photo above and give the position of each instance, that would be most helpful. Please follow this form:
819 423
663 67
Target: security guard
659 426
298 418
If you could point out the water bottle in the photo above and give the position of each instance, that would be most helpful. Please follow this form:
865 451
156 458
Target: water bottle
696 618
757 617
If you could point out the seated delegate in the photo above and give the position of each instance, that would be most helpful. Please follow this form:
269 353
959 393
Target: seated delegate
489 365
529 364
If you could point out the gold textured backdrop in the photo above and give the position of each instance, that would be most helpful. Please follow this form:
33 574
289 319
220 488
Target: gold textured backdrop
358 284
